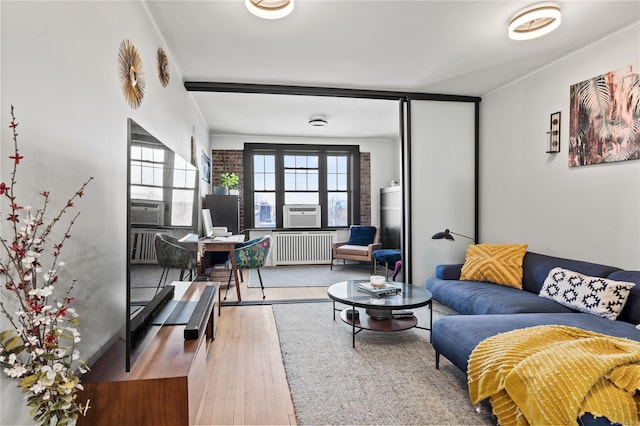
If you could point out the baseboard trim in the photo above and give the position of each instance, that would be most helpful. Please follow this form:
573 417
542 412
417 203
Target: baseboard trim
274 302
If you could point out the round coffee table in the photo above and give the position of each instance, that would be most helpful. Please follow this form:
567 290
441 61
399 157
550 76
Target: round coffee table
378 315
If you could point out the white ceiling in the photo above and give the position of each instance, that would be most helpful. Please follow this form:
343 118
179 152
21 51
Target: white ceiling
446 47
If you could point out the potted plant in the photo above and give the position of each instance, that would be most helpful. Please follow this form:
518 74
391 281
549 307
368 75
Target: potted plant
231 182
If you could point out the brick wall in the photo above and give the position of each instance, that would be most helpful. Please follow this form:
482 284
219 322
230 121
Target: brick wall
232 161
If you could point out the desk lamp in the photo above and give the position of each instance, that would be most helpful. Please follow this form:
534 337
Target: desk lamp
448 235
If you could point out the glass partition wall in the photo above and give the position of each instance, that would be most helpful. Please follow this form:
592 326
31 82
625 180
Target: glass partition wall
439 144
442 175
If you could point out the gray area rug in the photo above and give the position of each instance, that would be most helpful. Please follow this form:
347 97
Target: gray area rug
389 378
308 275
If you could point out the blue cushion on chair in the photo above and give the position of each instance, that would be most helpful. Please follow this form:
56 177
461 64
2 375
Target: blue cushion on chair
387 256
361 235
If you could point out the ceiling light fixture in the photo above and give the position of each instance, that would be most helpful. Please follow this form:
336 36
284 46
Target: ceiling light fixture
270 9
318 122
535 21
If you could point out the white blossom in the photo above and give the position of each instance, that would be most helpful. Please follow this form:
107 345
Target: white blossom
16 371
39 387
75 333
43 292
49 275
27 261
12 359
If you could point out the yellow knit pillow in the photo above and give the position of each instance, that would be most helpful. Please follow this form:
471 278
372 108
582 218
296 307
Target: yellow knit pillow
495 263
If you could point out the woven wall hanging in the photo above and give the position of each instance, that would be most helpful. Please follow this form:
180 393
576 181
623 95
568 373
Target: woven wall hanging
131 74
163 67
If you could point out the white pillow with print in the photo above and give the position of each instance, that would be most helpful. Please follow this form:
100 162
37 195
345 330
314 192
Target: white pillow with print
593 295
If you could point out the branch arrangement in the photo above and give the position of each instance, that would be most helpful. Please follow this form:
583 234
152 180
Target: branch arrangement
41 350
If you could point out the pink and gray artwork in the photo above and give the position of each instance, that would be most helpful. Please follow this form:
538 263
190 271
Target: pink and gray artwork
604 119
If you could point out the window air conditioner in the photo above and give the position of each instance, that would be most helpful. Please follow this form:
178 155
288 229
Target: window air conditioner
301 216
147 212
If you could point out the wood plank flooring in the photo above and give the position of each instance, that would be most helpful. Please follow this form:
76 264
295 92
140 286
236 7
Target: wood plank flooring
255 294
246 381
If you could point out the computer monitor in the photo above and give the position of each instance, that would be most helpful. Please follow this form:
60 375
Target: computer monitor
207 223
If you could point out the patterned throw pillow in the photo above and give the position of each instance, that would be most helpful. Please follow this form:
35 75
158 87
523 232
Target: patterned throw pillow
494 263
593 295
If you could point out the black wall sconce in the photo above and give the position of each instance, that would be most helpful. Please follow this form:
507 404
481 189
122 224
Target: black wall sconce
448 235
554 134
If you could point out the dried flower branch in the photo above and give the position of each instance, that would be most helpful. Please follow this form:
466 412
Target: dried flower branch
41 349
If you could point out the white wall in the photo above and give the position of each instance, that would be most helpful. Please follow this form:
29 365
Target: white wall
589 213
59 70
385 156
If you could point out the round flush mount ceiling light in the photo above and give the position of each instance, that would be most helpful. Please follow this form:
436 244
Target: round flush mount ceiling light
270 9
318 121
535 21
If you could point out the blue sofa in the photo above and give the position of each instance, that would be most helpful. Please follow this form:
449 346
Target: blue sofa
486 309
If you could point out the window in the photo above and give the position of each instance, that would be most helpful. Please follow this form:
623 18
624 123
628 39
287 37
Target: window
264 187
301 185
301 174
337 191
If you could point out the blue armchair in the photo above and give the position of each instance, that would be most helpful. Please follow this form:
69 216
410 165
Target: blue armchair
363 241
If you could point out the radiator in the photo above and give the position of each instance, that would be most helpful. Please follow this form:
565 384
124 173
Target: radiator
143 249
292 248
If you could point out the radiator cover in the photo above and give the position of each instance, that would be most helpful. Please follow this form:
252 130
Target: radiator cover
302 248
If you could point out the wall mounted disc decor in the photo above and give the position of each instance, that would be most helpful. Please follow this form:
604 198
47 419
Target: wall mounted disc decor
131 74
163 67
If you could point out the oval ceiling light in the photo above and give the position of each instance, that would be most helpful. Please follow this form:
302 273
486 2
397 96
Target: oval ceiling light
270 9
535 21
318 122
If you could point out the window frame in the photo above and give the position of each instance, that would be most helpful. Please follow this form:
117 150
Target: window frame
352 152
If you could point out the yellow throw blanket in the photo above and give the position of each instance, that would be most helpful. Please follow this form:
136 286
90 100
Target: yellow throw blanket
553 374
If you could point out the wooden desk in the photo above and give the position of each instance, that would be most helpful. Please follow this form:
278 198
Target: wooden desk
209 244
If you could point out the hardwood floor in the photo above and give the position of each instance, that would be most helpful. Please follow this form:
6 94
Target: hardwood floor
246 381
272 294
